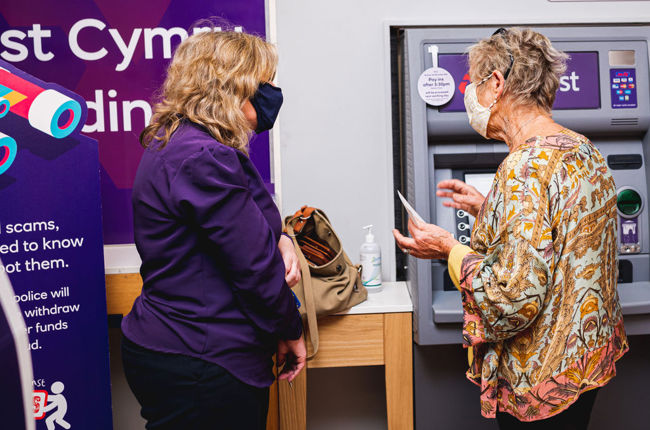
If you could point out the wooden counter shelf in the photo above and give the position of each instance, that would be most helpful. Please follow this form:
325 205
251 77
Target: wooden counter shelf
376 332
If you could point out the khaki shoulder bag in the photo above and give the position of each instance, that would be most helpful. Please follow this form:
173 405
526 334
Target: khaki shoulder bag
330 283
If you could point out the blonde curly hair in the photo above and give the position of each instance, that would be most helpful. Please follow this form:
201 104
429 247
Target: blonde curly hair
536 69
211 76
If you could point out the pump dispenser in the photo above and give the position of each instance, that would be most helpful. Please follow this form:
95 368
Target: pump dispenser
370 256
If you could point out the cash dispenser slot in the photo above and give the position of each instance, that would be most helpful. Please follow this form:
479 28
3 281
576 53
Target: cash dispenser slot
625 161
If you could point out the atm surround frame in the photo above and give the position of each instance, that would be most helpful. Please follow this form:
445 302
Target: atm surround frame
440 324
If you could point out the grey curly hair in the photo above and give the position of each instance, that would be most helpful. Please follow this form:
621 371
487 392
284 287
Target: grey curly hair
536 69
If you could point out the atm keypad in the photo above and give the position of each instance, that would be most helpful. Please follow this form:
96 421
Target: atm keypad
463 227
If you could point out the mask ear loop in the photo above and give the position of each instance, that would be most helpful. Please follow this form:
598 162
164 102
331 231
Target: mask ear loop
482 82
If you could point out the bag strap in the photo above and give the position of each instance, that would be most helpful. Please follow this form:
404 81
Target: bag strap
308 291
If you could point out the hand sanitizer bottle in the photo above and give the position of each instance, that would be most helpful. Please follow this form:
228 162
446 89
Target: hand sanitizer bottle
371 261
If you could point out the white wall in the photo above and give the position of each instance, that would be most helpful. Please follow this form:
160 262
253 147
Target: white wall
335 125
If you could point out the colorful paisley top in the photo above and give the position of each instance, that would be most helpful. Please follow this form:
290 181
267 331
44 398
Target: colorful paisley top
541 310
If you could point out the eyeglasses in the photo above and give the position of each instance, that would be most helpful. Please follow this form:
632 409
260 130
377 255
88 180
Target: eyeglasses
502 31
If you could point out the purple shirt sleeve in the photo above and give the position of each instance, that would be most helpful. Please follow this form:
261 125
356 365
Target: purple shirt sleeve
211 190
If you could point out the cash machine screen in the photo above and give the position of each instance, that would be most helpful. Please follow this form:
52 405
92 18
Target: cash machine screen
481 181
579 86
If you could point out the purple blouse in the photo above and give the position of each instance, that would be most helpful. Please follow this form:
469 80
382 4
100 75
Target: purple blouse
207 231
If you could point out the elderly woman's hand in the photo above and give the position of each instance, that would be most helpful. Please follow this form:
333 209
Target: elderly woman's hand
462 196
428 241
290 258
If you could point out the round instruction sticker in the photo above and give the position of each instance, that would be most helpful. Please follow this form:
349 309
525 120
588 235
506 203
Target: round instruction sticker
436 86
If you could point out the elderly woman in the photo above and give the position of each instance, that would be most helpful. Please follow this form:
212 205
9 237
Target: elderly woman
538 283
215 303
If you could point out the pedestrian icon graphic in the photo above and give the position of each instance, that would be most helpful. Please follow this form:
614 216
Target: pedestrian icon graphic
58 405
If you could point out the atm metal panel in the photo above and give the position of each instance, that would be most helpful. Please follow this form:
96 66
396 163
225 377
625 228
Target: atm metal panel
431 136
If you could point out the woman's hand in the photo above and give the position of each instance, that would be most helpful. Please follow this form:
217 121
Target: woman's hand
462 196
290 258
428 241
292 354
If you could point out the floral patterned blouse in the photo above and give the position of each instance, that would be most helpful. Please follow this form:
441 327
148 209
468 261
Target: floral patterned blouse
541 309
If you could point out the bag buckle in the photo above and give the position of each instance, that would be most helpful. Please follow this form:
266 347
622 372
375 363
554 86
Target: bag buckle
301 219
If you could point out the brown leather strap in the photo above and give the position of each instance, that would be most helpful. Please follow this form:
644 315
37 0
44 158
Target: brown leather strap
307 288
303 215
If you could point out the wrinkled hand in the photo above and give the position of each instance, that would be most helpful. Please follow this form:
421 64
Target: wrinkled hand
290 258
428 241
292 354
462 196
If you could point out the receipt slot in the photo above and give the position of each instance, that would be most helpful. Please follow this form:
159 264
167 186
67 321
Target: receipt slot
604 95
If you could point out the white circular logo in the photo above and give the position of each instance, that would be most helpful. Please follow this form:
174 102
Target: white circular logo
436 86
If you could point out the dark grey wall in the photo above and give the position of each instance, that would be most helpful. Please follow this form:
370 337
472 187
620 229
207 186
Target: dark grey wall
444 398
126 410
624 403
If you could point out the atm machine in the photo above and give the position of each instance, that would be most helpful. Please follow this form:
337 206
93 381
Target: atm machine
603 95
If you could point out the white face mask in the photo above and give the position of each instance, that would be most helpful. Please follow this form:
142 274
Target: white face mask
478 115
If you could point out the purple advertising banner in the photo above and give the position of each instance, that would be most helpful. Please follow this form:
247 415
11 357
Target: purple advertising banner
114 54
579 86
456 64
51 248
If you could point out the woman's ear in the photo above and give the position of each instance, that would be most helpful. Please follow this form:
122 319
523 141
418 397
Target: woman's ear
497 84
250 113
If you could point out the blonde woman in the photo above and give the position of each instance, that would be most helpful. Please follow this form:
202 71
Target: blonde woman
215 303
541 312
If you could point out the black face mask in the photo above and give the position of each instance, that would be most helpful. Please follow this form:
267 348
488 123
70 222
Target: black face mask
267 102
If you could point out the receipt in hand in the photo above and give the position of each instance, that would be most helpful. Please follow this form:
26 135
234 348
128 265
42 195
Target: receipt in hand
417 219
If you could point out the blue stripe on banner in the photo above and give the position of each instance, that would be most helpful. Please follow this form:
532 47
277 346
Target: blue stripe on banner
4 90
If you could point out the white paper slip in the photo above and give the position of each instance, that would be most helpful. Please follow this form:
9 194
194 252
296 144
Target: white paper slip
417 219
